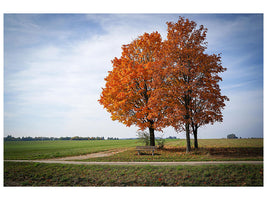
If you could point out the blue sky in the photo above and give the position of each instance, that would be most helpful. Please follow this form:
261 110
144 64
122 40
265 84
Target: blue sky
55 65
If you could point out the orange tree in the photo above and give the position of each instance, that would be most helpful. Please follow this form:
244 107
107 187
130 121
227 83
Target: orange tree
191 88
131 91
155 84
208 103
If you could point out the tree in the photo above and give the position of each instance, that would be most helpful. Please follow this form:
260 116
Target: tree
191 88
232 136
131 91
155 84
208 103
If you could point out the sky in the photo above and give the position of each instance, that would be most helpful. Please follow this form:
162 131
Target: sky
55 65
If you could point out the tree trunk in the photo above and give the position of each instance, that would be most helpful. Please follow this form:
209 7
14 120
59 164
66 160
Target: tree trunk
195 138
152 136
187 125
188 146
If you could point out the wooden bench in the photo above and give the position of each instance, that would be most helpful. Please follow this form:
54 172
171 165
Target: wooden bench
146 148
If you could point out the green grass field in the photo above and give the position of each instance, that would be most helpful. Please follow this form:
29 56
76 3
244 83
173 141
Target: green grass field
33 150
209 149
35 174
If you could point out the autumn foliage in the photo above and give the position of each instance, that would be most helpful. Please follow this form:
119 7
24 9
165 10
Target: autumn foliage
193 78
131 87
158 83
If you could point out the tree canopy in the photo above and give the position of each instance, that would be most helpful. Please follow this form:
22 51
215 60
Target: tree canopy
158 83
192 78
131 87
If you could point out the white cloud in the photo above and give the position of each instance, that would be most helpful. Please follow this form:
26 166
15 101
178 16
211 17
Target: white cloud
65 82
55 86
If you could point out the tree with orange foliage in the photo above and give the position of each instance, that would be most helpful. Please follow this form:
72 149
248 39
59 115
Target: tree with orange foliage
208 104
155 84
131 91
192 91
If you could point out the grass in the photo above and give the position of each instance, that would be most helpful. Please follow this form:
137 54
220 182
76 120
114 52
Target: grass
37 174
33 150
209 149
212 149
217 143
179 154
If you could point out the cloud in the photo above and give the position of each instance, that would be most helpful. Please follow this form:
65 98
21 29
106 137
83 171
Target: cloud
63 82
55 66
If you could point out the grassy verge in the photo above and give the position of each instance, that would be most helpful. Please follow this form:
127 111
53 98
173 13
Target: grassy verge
35 174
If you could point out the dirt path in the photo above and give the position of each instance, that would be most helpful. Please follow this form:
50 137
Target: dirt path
139 163
92 155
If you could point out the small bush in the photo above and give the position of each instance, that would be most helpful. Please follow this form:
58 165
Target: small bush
161 143
143 137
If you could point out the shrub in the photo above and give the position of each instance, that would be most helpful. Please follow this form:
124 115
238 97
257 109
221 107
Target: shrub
161 143
143 137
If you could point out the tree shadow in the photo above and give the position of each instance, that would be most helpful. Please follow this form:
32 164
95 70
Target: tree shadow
236 151
148 154
220 151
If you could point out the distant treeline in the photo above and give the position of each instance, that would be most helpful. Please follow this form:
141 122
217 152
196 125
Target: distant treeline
171 137
112 138
11 138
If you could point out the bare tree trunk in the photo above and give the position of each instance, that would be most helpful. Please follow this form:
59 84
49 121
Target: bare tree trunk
195 139
152 136
195 127
187 125
188 146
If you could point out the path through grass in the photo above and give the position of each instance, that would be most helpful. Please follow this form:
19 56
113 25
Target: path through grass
210 149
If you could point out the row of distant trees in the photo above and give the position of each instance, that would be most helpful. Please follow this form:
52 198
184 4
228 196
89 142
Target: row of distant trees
11 138
112 138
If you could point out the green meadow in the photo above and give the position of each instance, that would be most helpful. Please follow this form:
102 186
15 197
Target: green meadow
32 150
174 150
41 174
35 174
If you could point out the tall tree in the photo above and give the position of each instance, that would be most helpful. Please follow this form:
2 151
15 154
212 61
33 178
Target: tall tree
155 84
208 103
192 91
131 90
